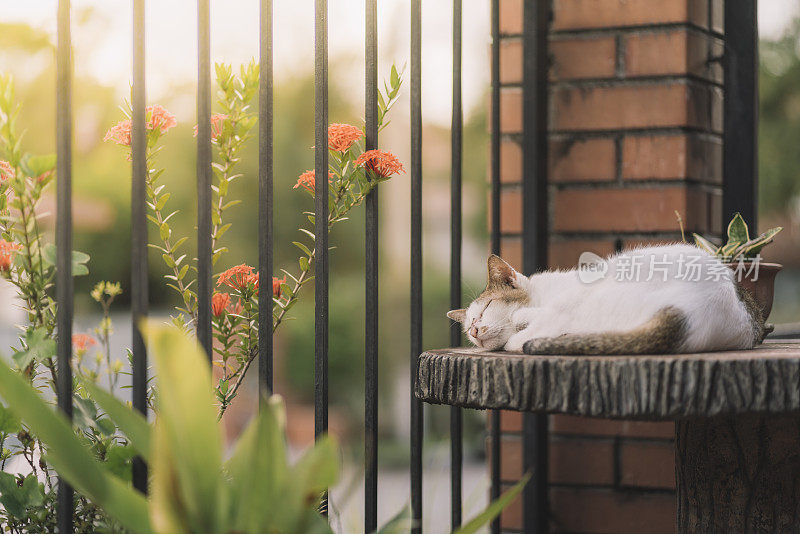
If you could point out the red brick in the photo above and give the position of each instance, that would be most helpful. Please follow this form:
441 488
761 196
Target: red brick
510 16
636 106
565 254
590 426
576 14
510 421
511 60
605 511
511 110
576 58
647 464
584 160
511 211
572 461
575 461
511 251
511 518
677 51
672 157
629 210
510 162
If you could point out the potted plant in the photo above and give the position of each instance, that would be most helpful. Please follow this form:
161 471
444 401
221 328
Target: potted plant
743 254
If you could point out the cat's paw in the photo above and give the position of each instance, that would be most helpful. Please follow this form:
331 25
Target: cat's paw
516 341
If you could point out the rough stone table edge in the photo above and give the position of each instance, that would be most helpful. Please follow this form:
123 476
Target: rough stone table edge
652 387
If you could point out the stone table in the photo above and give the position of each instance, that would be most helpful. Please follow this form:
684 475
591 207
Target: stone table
737 417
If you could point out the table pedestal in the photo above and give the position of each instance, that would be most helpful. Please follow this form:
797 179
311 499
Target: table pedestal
738 473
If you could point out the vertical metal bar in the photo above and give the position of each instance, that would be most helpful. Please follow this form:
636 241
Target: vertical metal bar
64 287
534 234
416 261
139 229
371 268
740 137
456 421
204 174
321 218
265 191
494 437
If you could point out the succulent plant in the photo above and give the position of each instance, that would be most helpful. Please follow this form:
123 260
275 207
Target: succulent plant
740 245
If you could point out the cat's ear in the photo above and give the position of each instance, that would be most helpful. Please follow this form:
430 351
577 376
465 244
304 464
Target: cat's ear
457 315
501 273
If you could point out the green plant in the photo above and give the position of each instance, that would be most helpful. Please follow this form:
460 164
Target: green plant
192 489
352 174
740 245
27 260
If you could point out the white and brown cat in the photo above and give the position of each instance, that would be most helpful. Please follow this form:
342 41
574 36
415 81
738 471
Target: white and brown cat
556 312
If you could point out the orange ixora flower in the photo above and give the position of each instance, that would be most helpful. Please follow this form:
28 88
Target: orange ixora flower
120 133
8 250
308 181
159 118
276 286
217 122
6 171
342 136
384 164
82 342
236 277
219 301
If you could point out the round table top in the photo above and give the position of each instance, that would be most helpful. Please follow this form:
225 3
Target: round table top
672 386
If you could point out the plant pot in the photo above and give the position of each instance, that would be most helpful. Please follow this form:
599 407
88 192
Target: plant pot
759 281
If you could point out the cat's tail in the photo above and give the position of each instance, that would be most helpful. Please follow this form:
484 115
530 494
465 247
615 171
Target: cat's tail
663 334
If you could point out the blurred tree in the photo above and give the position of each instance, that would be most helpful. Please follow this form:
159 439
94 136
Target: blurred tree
779 122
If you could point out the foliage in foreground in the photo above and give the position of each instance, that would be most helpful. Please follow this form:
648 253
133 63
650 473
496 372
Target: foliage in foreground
192 489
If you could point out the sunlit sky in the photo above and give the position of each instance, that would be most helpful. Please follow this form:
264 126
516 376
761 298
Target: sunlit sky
103 45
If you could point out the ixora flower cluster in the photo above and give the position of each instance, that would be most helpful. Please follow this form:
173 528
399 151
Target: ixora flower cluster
352 174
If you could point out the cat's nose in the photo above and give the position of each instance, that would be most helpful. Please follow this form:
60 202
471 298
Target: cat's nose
473 331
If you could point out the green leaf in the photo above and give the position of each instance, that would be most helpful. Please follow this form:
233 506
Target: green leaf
737 230
39 345
9 423
303 263
118 461
49 254
35 166
17 498
705 244
164 231
79 260
132 424
754 246
186 419
494 509
70 457
302 247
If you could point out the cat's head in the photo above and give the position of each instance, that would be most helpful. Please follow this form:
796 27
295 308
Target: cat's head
487 320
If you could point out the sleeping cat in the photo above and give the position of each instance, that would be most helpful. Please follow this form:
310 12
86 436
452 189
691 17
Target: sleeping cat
655 308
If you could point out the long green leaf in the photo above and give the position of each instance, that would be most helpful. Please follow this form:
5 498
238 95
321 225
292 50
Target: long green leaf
188 418
494 509
132 423
70 457
705 244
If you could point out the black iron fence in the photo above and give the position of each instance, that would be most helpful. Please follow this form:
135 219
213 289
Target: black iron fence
740 20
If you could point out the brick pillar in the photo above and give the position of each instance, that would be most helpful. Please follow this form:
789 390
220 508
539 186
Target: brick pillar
636 123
